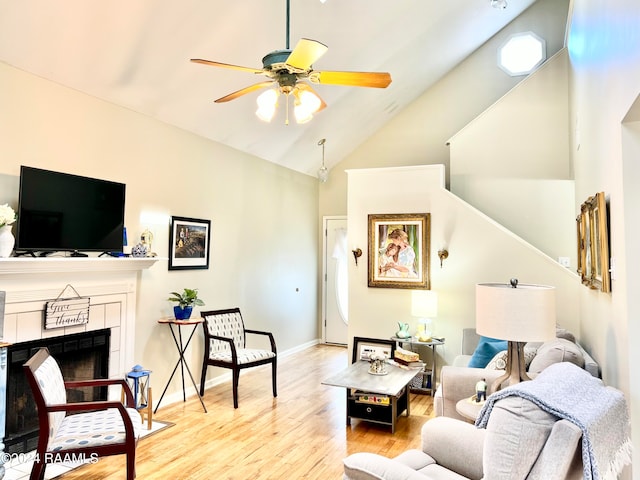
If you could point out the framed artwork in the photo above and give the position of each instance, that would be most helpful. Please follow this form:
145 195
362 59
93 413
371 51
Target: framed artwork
593 243
363 348
582 223
189 240
399 250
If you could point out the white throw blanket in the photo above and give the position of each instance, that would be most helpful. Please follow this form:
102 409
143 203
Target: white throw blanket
569 392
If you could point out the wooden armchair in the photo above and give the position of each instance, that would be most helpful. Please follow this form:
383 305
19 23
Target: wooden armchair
94 428
225 340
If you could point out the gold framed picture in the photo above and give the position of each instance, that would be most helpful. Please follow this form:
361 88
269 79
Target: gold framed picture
593 243
399 250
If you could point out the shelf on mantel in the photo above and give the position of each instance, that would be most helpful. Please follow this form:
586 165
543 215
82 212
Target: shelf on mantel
30 265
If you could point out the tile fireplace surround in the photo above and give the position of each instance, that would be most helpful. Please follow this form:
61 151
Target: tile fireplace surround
111 285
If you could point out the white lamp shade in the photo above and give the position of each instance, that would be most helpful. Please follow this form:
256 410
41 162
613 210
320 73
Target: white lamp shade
424 303
526 313
267 102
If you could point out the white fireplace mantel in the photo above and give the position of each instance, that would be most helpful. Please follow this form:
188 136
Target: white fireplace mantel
29 282
30 265
110 283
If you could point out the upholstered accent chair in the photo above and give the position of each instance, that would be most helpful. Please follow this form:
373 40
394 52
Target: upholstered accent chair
225 345
82 429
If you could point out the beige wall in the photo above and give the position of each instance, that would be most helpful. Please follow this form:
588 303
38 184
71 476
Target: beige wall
604 51
512 162
418 135
264 232
604 71
480 250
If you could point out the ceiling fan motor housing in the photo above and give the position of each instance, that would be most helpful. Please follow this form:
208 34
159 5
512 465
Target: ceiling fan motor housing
276 59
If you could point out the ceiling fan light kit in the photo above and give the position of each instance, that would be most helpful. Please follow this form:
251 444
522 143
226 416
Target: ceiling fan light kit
288 70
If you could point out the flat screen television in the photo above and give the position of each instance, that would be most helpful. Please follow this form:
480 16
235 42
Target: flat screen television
64 212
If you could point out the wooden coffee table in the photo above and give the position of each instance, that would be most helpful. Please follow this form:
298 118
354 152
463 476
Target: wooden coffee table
375 398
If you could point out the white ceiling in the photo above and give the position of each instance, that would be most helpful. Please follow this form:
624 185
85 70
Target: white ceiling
136 54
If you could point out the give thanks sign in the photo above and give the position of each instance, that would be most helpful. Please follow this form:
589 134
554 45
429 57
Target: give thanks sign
66 313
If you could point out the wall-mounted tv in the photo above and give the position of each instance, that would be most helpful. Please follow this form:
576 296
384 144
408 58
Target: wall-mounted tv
63 212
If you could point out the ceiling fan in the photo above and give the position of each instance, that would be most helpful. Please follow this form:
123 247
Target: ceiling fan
289 71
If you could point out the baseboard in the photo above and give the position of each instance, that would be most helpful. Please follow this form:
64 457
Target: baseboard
225 376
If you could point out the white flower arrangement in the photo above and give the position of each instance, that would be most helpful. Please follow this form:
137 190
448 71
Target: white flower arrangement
7 215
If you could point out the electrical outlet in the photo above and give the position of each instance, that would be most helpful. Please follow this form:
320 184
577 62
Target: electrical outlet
564 261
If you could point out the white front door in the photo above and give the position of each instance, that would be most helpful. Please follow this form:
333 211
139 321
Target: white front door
335 286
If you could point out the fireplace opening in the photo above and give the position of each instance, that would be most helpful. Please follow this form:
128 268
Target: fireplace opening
81 356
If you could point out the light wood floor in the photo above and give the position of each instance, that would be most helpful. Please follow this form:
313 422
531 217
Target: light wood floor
300 434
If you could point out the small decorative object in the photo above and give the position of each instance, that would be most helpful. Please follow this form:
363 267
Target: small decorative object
139 379
403 330
139 250
7 240
377 365
186 301
481 391
405 357
146 238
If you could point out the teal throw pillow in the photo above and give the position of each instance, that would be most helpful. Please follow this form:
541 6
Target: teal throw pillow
485 351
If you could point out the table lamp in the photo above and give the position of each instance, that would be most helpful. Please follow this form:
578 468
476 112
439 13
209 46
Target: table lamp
516 313
424 305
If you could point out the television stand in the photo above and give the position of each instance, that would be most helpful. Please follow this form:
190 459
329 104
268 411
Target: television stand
78 254
25 252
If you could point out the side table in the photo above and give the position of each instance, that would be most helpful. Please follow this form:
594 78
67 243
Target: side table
181 349
428 383
469 408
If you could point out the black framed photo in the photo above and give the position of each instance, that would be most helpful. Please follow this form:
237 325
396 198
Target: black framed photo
189 240
364 347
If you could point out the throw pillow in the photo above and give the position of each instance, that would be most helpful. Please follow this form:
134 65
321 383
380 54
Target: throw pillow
499 362
554 351
564 333
485 351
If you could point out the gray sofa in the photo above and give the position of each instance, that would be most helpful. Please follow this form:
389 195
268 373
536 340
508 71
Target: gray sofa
457 381
559 426
457 450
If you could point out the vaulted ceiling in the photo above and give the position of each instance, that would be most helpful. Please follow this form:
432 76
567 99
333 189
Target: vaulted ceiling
136 54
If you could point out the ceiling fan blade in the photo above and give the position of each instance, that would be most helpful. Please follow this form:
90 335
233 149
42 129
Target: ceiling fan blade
353 79
306 53
226 65
244 91
304 86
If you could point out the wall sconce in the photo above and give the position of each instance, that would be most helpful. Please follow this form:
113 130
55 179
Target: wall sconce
357 253
442 255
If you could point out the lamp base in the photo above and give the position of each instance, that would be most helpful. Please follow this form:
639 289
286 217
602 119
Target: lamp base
516 370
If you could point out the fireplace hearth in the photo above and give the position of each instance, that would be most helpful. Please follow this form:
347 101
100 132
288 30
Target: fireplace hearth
80 356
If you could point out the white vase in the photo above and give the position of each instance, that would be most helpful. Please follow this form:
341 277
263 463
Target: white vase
7 240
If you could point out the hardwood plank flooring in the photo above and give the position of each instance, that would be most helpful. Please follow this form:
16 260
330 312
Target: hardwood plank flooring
301 434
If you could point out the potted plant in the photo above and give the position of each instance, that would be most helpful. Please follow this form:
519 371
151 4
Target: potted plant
186 301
